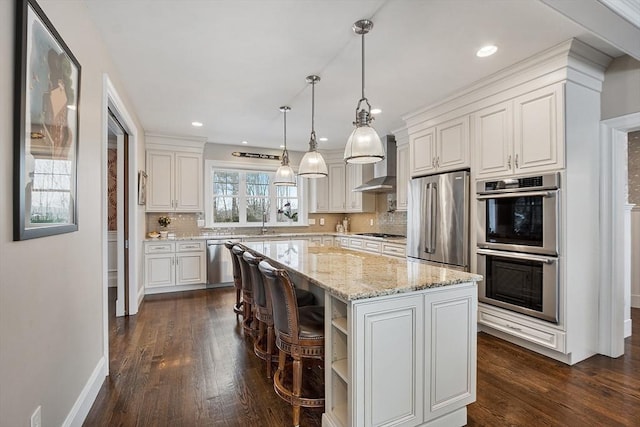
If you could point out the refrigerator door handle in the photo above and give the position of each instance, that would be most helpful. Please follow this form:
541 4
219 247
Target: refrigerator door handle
427 228
432 215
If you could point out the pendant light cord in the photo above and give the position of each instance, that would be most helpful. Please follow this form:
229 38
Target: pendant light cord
363 66
313 108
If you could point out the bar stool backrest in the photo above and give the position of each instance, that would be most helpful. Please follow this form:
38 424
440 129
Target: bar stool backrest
238 251
259 297
283 300
237 275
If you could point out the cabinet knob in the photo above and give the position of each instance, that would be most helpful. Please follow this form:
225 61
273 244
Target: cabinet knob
517 166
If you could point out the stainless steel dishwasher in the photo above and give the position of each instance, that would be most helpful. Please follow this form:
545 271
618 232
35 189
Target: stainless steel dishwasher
219 267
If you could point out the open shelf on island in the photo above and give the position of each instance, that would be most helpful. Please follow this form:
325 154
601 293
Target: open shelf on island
341 324
340 367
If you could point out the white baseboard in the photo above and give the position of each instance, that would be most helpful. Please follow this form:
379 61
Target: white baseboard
87 396
627 328
635 301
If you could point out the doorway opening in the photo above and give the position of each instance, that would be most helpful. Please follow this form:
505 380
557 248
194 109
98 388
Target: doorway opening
118 213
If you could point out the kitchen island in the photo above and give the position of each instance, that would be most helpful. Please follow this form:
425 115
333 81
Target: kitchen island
400 335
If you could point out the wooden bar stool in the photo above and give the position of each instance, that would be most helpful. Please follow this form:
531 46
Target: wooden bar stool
264 342
237 277
299 334
247 291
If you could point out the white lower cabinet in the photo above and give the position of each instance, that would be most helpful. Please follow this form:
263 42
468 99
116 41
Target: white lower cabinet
401 360
174 266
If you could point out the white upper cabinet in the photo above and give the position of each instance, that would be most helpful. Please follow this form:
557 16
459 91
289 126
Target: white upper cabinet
334 193
337 179
539 130
319 195
357 201
521 135
422 151
452 144
175 181
402 176
440 148
493 140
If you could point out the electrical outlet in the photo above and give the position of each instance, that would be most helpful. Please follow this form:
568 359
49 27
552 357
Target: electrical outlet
371 222
200 223
312 221
321 221
36 417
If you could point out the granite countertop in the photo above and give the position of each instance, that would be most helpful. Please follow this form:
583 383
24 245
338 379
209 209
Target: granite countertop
353 275
212 236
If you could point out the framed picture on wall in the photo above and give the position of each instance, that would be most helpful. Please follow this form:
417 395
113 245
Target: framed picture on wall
46 128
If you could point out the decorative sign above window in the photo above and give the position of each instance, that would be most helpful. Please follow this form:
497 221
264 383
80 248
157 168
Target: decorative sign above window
256 155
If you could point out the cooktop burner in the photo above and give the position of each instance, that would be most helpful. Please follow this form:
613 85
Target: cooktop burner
381 235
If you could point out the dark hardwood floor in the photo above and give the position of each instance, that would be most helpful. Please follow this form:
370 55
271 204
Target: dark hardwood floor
183 361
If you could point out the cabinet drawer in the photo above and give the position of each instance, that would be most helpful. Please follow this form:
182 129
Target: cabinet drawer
190 246
393 249
371 246
527 330
344 242
158 248
356 243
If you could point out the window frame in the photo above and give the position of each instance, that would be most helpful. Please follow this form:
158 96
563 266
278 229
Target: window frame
212 165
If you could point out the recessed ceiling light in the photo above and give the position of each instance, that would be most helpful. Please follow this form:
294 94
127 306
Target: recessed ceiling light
323 139
486 51
244 142
196 124
376 111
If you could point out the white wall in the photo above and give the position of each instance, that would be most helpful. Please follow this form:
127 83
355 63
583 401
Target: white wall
51 331
621 88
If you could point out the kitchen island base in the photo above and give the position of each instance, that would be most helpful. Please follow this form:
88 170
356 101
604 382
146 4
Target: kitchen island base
403 360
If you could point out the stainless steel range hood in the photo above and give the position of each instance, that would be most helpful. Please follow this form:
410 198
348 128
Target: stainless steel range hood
384 172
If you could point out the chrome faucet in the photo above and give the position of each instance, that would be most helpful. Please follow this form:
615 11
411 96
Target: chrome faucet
264 219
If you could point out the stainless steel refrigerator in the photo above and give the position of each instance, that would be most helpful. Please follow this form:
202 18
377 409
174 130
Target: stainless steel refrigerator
438 219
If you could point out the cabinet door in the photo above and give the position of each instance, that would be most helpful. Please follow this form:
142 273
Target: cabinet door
336 187
493 140
159 270
452 144
422 149
389 382
190 268
160 190
539 130
450 350
402 177
188 182
319 195
357 201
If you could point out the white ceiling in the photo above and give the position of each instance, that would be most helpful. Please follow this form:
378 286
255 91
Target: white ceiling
231 63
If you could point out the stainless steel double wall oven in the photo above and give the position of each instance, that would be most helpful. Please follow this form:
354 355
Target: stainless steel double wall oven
518 244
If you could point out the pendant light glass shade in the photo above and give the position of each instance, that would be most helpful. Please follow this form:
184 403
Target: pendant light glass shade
284 174
312 164
364 144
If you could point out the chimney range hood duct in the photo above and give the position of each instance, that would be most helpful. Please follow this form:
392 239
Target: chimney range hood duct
384 172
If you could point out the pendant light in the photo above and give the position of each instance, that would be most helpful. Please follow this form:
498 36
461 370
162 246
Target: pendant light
312 164
284 174
364 144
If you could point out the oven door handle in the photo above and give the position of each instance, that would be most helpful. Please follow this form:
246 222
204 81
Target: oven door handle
516 194
520 256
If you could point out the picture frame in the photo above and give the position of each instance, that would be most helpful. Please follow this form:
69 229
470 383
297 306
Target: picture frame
142 187
46 128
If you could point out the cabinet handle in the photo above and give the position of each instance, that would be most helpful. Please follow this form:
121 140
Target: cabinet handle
517 166
515 328
433 162
509 162
438 161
